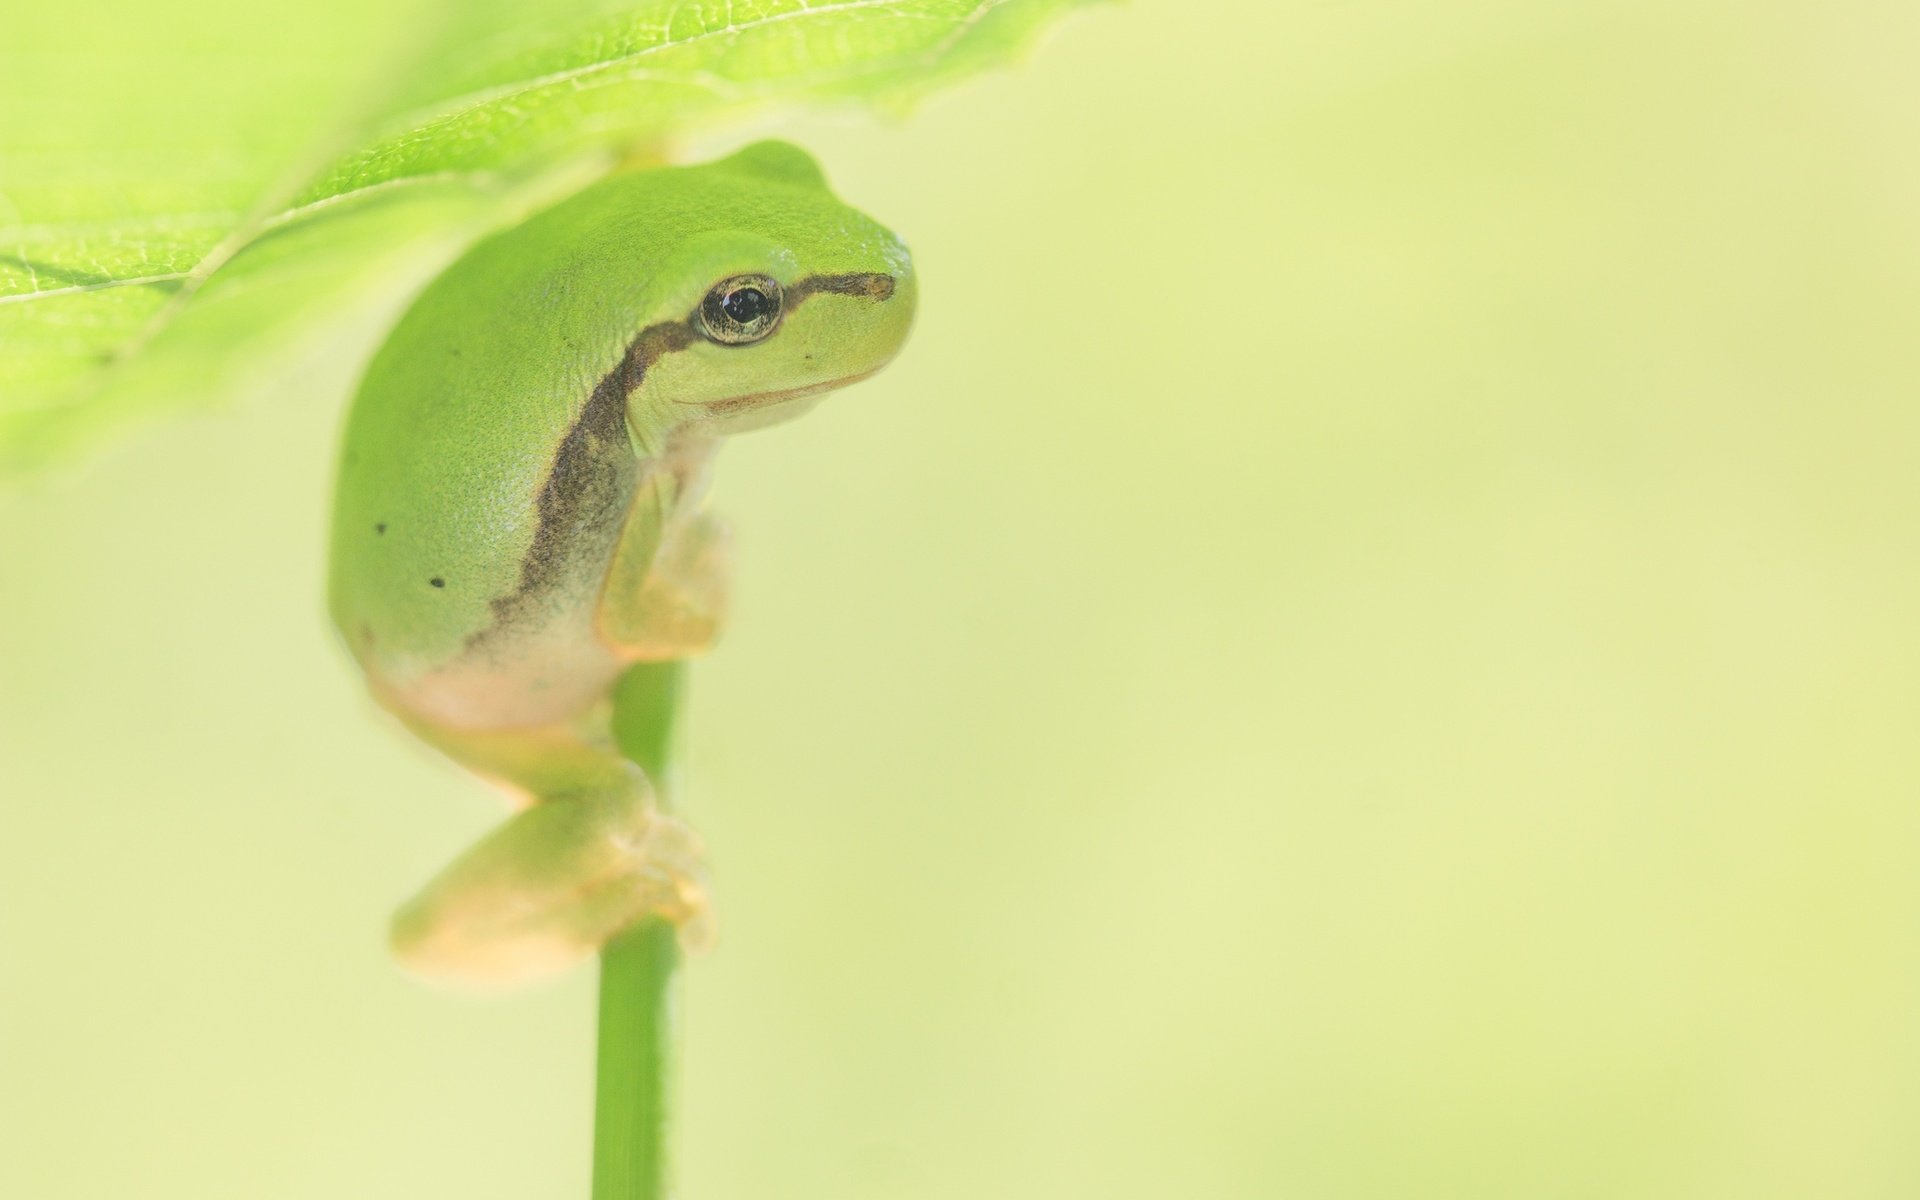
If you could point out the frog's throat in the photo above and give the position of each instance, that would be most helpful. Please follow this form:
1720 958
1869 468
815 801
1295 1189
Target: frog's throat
740 404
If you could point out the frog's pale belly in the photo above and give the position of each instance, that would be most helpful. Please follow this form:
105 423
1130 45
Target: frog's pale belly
536 657
541 676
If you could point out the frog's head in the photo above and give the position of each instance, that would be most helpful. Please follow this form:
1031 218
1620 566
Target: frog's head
776 293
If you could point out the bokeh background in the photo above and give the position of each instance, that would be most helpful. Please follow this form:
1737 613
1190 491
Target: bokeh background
1368 649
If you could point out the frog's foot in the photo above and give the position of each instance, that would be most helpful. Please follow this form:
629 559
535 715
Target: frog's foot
552 885
679 609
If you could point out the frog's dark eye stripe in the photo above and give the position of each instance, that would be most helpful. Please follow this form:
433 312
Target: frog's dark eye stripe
742 309
871 284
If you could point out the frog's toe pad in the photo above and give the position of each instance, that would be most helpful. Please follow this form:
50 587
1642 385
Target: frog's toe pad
669 871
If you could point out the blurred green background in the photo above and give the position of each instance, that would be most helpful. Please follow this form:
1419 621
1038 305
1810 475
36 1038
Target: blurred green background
1367 649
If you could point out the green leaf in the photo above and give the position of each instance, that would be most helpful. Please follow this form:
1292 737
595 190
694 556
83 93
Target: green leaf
196 199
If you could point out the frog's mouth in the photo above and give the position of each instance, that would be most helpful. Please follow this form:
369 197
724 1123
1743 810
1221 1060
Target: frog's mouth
758 400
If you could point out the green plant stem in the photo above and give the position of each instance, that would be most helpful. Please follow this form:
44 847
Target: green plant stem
636 971
630 1101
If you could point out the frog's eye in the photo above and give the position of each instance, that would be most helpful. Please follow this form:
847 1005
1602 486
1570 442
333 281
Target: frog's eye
742 309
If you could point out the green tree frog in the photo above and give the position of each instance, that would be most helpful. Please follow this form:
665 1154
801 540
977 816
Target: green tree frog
518 515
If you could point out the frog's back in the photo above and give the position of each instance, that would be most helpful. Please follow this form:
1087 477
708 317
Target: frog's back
484 475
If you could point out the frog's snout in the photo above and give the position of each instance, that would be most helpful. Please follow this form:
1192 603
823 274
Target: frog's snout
897 294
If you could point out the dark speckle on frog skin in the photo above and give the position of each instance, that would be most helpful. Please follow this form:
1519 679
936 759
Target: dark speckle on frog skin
437 582
380 528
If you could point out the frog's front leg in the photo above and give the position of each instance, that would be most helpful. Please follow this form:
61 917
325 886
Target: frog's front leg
588 858
667 594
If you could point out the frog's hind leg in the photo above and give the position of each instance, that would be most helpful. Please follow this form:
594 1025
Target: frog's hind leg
589 857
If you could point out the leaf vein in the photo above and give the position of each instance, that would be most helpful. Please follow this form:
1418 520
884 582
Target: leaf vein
103 285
